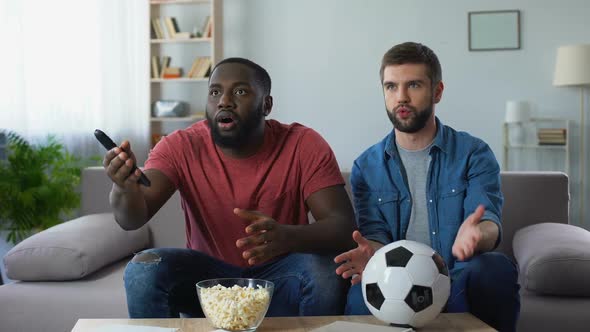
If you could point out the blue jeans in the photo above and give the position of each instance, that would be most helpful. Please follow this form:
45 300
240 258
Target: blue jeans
160 283
486 286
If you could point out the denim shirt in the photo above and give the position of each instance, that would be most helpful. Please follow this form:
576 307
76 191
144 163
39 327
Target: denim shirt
463 173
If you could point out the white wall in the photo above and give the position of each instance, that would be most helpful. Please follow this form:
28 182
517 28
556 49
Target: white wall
324 57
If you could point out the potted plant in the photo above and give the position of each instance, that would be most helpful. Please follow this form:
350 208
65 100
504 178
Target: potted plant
38 186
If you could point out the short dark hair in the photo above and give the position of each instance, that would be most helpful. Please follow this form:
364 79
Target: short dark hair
415 53
260 74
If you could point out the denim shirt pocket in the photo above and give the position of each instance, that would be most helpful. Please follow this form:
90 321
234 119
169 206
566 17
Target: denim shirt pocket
386 200
388 205
450 204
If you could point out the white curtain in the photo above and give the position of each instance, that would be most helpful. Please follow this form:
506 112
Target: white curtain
71 66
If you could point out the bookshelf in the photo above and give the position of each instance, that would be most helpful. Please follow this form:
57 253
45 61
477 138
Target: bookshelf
180 35
542 145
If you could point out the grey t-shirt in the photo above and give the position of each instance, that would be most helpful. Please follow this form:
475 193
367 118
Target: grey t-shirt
416 166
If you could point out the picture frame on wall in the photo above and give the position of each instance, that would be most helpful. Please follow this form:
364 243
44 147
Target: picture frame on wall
496 30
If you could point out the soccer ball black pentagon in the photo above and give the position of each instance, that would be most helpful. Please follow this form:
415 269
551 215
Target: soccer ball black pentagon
406 283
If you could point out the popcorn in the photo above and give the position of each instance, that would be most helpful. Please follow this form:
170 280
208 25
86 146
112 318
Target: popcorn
235 308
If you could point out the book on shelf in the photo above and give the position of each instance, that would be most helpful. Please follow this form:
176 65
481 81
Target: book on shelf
200 67
194 66
172 72
182 35
170 27
155 66
157 28
160 26
203 69
553 131
552 140
551 143
207 29
165 63
549 134
152 31
175 25
552 136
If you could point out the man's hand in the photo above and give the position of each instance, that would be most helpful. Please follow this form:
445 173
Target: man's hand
469 235
118 163
355 260
266 240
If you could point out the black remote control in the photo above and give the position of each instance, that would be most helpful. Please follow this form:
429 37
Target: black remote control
108 143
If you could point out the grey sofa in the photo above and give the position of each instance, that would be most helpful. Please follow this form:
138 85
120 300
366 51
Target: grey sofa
56 305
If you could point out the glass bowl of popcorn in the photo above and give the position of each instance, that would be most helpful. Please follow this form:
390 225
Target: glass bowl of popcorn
235 304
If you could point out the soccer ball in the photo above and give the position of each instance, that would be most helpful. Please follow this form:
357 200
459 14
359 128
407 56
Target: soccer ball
406 283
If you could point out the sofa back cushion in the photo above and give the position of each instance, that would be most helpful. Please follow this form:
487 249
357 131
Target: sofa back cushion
96 186
532 198
166 229
529 198
167 226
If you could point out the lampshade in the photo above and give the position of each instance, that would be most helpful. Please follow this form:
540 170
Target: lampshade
517 111
572 66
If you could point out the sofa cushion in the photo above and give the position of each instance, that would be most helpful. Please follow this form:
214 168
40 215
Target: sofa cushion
554 259
73 249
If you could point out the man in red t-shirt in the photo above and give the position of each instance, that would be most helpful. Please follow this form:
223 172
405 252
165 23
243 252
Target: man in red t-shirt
247 185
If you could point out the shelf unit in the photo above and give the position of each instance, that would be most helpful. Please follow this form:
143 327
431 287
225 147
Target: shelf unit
528 154
189 15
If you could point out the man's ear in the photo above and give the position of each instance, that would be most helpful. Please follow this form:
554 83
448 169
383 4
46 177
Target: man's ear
438 92
267 105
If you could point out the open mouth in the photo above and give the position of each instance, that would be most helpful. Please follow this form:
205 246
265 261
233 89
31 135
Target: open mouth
225 119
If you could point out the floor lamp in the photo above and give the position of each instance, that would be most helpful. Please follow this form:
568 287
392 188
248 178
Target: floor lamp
572 68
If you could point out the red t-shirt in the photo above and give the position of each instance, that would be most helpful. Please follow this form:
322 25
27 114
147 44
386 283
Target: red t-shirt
293 163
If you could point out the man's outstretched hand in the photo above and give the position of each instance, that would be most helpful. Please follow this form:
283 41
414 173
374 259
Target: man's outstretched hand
266 237
355 260
469 235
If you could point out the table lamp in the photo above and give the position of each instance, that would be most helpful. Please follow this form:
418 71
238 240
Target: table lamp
572 68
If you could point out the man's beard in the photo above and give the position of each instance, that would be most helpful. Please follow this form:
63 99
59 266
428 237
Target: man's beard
414 123
241 134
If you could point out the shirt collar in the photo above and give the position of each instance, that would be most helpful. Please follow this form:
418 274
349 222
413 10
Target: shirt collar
439 142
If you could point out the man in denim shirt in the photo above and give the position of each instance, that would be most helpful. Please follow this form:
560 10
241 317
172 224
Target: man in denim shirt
429 183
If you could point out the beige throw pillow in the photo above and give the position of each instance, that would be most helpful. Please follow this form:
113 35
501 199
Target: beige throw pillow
553 259
73 249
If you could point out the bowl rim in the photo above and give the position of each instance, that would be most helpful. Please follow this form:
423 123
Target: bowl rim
269 284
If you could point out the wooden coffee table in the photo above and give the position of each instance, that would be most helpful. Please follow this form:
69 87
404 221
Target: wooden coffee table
444 322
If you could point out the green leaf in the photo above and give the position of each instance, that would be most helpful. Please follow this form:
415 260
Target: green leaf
38 185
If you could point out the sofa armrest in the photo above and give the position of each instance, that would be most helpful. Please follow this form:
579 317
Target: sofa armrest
73 249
